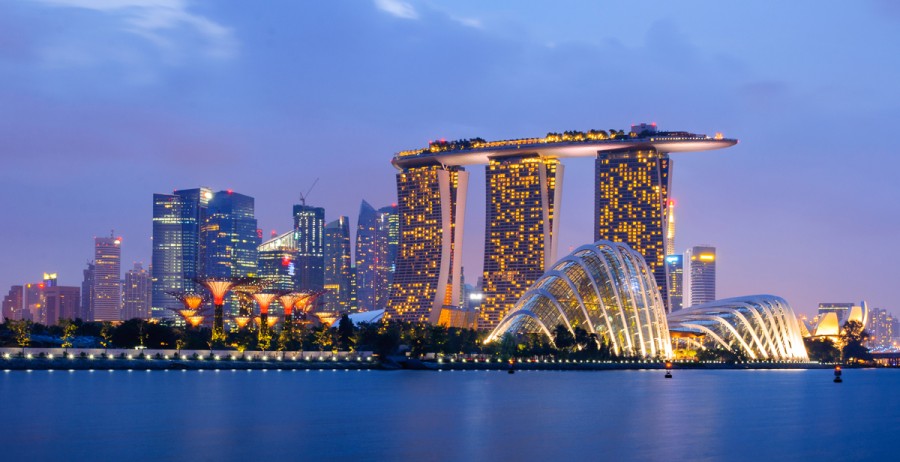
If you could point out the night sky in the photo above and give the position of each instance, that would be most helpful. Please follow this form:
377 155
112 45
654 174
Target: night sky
105 102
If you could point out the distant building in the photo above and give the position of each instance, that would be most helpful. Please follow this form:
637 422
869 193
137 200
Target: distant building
366 256
137 294
86 311
60 302
278 261
178 247
309 224
338 277
881 327
107 289
377 240
13 303
675 275
841 310
699 275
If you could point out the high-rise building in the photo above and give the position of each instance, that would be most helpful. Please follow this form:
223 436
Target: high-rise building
309 223
675 275
632 189
86 313
699 275
278 261
107 290
231 239
13 303
670 228
178 248
377 238
388 239
60 302
136 293
338 278
431 203
520 230
366 256
881 327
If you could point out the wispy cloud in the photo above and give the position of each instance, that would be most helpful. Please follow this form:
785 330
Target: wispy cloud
155 20
398 8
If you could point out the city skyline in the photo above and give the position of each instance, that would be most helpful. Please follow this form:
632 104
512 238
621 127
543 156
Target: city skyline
813 187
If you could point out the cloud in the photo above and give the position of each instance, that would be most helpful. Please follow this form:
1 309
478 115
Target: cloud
398 8
155 20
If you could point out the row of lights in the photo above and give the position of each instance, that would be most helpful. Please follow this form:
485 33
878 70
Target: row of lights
185 357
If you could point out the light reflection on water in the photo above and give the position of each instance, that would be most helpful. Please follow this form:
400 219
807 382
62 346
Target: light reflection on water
372 415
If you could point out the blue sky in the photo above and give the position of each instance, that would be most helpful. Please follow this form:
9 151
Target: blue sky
105 102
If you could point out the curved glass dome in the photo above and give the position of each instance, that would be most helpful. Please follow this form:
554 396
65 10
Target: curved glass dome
761 326
606 289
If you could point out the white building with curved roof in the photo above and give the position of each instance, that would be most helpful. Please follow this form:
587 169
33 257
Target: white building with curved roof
605 288
760 326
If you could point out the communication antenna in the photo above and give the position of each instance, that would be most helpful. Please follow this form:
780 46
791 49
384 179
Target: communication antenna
304 196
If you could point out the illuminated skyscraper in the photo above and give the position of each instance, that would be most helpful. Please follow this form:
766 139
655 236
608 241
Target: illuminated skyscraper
377 236
520 230
278 260
230 236
670 228
675 275
699 275
431 200
107 292
136 294
338 277
388 222
309 223
231 239
366 256
632 188
178 247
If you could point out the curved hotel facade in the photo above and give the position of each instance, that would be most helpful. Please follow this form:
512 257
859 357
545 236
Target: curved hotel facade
523 192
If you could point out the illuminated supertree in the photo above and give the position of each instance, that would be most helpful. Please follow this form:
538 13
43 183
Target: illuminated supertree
264 300
288 301
219 287
244 292
307 302
192 302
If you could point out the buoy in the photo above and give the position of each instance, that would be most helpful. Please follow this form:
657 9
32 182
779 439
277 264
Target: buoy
837 374
668 369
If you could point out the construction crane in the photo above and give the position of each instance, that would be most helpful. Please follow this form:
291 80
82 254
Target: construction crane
304 196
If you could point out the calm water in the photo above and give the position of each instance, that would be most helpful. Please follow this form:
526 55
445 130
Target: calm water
414 416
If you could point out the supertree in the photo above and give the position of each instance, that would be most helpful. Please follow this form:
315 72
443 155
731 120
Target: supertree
192 302
219 288
288 301
264 300
244 292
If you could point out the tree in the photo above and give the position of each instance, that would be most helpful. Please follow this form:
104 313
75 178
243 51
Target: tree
563 339
854 337
345 333
106 334
68 332
323 338
22 331
822 350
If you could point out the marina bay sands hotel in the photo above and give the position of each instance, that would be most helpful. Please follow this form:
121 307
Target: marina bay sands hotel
524 179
